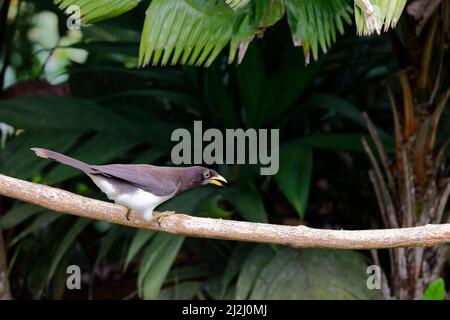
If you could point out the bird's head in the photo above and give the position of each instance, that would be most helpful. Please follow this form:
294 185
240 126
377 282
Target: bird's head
204 176
212 177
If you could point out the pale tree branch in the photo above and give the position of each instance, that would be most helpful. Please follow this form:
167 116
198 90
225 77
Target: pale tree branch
180 224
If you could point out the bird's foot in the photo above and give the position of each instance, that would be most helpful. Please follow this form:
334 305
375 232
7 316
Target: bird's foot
158 216
128 213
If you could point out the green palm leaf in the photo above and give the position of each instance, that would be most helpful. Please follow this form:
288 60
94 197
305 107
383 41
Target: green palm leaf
194 32
315 23
96 10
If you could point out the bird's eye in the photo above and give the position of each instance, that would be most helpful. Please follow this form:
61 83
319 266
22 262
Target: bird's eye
206 174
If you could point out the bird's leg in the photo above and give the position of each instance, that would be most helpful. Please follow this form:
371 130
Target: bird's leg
128 213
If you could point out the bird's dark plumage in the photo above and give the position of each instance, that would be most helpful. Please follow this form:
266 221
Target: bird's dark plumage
160 181
140 187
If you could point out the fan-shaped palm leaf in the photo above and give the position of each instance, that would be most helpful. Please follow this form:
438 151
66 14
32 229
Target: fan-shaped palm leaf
195 31
96 10
314 23
371 16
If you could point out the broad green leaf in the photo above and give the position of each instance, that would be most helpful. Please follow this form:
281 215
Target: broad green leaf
247 202
117 81
240 252
251 268
294 175
187 101
158 242
190 272
37 273
314 274
141 237
124 29
156 264
95 10
187 290
435 290
65 245
268 96
58 113
286 86
314 24
213 287
105 246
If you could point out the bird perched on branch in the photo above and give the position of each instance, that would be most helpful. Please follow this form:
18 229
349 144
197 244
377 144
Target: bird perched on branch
139 187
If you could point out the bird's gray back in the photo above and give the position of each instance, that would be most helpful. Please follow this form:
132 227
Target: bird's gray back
160 181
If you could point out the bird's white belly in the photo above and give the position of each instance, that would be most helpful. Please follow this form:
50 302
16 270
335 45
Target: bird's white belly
137 199
140 200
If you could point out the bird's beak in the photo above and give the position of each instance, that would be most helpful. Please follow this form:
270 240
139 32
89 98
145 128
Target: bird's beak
218 180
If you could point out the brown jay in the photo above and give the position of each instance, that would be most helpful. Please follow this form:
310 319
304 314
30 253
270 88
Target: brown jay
139 187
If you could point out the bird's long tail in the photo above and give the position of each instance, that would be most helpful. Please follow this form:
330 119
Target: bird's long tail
52 155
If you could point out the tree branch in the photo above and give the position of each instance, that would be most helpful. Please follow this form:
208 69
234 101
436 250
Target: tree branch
180 224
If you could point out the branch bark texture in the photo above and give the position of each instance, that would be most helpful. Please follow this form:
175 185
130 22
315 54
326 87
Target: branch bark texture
181 224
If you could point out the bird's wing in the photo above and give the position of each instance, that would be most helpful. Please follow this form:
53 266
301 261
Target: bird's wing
157 180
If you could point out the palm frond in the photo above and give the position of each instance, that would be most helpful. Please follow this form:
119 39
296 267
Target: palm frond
237 4
261 14
194 32
96 10
377 15
315 23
